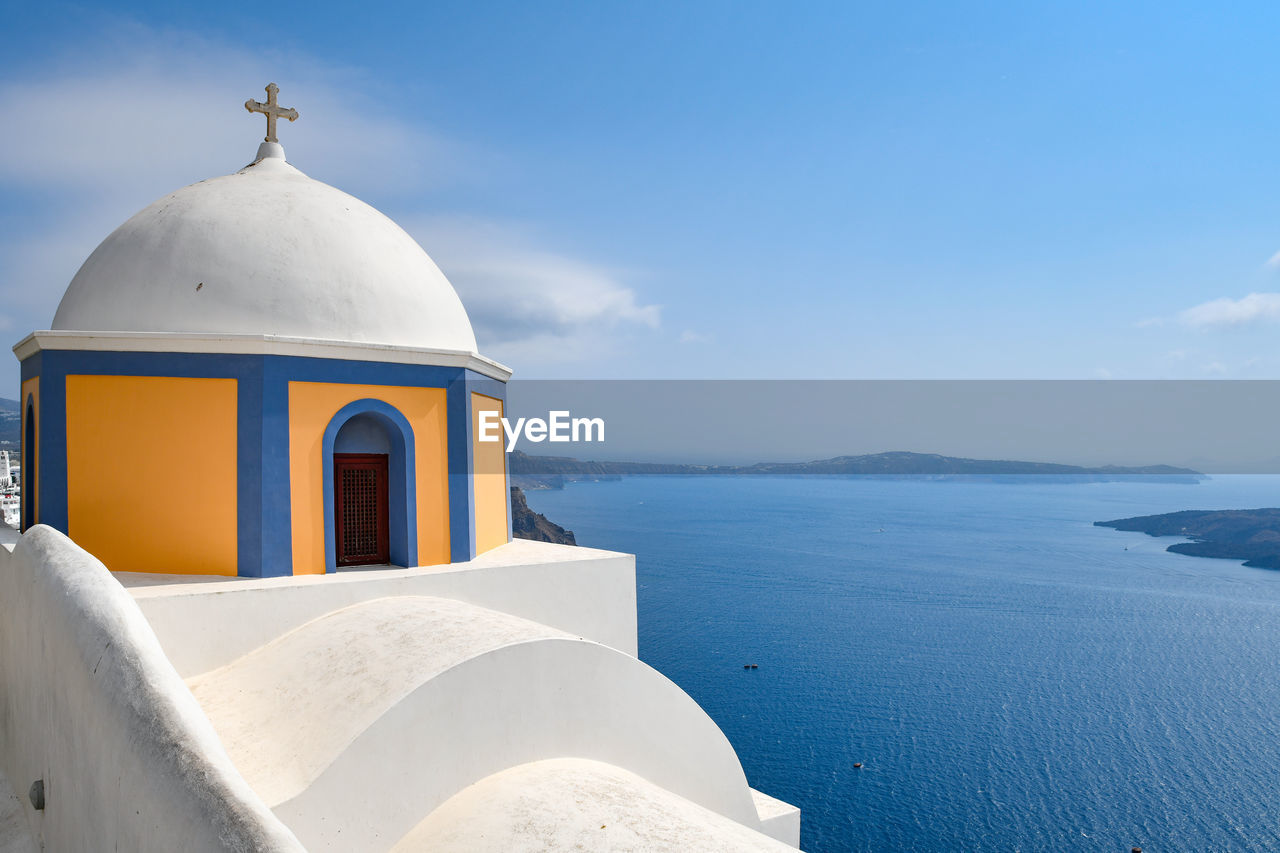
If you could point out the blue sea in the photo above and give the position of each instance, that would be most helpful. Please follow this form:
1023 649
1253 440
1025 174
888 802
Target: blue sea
1010 676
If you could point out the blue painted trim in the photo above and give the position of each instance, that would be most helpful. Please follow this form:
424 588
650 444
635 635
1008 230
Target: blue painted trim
462 526
31 365
275 472
222 365
402 487
365 372
29 369
51 470
249 472
481 384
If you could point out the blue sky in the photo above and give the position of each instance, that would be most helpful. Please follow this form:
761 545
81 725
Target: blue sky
712 189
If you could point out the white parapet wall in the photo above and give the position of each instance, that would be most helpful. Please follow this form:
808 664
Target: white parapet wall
90 707
205 623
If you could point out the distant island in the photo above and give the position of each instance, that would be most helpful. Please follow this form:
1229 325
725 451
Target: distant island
552 472
1252 535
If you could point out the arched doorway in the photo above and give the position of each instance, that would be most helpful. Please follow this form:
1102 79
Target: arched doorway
369 487
361 452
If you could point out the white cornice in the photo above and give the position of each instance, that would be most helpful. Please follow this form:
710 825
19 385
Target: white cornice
255 345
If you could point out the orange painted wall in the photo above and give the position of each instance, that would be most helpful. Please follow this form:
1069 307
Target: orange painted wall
151 472
311 406
31 387
489 478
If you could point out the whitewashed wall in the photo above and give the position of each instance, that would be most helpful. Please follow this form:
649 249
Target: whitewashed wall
90 705
524 702
204 624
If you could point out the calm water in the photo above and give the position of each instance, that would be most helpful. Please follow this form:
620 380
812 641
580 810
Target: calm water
1010 676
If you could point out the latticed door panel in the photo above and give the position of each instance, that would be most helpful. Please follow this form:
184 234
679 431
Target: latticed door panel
360 508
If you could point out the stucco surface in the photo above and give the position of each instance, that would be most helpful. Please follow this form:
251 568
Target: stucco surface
90 705
288 709
575 804
266 251
581 591
15 835
358 724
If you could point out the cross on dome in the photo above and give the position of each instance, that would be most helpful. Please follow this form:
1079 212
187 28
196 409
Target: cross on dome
272 110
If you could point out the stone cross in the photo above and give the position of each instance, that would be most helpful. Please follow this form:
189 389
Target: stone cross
272 110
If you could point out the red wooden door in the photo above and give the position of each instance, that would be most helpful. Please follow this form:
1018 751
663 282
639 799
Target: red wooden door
360 508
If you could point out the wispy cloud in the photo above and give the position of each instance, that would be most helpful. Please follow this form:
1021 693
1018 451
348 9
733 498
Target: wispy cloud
117 124
149 116
1228 313
530 301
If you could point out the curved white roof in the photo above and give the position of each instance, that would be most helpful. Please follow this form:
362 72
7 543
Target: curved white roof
577 804
267 251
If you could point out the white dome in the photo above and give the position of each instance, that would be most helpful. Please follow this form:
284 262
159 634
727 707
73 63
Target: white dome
267 251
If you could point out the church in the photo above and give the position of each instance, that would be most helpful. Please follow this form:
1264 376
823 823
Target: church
265 594
271 378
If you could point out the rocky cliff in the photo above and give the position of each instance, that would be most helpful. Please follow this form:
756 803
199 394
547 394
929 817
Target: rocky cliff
527 524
